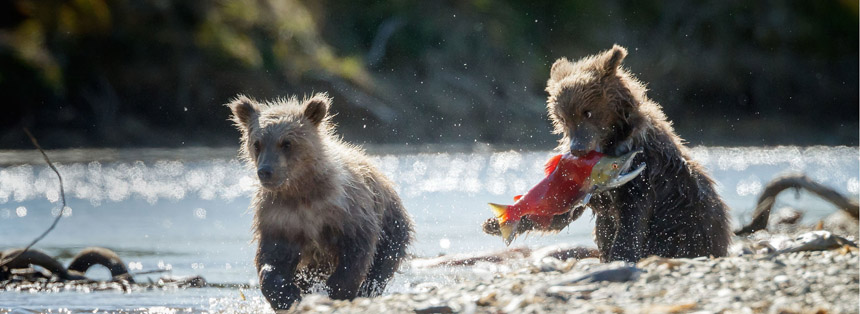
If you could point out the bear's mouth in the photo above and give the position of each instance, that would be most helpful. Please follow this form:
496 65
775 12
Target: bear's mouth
271 184
623 148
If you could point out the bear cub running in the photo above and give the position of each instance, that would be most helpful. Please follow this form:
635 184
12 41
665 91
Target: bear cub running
323 214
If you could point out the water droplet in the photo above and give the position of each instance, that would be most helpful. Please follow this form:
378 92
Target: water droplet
444 243
200 213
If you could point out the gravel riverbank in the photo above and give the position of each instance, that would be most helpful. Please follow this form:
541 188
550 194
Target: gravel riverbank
802 272
824 281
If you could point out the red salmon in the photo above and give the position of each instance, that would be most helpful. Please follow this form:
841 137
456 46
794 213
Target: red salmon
569 180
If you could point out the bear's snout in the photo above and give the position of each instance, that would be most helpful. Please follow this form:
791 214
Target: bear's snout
265 173
584 140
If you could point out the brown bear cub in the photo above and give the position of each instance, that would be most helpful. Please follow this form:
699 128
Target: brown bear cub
669 210
323 213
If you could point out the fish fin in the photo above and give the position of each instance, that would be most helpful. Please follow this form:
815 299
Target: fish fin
506 226
499 210
509 230
518 197
551 164
542 221
583 201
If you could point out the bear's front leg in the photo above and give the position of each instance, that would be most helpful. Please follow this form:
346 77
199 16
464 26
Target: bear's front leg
355 253
276 267
632 225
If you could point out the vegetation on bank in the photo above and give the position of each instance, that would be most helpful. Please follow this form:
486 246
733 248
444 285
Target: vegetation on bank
156 73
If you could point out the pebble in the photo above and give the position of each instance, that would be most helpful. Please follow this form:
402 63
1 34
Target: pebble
780 279
515 304
435 309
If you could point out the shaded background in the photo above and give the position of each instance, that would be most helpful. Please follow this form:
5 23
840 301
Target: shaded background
98 73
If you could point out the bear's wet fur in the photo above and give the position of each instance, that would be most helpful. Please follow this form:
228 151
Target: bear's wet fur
669 210
323 214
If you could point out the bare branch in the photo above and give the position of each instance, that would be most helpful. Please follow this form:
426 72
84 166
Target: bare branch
62 196
796 181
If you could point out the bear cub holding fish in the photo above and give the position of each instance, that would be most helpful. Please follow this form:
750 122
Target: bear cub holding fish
323 214
671 209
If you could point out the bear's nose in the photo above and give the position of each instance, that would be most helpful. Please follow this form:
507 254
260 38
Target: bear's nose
264 173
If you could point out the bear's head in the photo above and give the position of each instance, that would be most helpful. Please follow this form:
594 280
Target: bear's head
283 139
594 103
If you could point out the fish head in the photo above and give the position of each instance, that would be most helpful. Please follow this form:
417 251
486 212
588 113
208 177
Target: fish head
610 172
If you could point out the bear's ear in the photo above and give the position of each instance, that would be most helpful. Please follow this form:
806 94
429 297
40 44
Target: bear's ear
316 108
611 59
561 68
245 111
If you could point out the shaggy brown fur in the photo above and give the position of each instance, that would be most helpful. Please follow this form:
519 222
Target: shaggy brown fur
671 209
323 213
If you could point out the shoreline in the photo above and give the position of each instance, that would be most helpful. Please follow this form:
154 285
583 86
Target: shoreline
796 272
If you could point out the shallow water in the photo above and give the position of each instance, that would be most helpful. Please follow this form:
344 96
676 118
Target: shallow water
189 215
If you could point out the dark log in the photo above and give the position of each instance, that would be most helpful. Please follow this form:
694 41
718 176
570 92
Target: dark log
25 258
100 256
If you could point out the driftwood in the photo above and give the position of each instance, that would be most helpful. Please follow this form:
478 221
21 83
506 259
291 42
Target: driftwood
796 181
100 256
470 259
21 259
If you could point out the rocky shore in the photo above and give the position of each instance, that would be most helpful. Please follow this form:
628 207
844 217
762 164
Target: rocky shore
813 272
798 272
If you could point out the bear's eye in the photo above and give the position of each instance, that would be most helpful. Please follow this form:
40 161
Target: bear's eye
285 145
587 114
256 148
615 166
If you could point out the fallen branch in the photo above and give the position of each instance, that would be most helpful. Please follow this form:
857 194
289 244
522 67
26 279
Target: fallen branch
796 181
383 33
358 97
152 271
62 196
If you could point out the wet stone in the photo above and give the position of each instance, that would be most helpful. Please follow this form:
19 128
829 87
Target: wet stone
434 309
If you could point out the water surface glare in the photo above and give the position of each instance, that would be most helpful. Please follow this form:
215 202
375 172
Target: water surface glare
190 216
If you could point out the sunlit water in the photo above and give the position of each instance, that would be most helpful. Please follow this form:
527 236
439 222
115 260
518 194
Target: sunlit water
191 217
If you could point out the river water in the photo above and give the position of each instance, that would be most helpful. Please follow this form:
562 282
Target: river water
187 212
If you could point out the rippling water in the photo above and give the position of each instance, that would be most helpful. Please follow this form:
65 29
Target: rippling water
189 215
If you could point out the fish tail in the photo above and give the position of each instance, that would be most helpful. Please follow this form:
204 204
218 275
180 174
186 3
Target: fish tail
508 229
506 226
